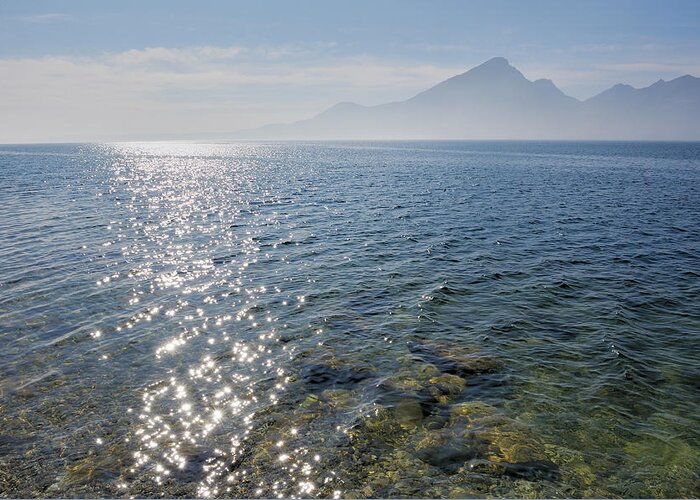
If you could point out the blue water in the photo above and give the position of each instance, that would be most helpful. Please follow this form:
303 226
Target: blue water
400 319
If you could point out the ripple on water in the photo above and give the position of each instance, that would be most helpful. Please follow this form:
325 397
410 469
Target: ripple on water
350 320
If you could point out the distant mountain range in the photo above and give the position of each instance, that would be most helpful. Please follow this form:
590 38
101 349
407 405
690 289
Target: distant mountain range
495 101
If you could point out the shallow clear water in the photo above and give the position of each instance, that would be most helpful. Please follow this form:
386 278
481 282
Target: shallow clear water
417 319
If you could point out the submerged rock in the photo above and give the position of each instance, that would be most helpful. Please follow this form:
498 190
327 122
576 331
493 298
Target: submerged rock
451 453
419 386
445 387
472 410
448 384
534 470
454 359
408 413
576 468
341 399
326 375
323 369
403 382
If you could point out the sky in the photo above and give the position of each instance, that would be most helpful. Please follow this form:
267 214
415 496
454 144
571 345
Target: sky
80 71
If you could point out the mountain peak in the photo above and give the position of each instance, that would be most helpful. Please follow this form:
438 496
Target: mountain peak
493 66
495 77
496 61
497 68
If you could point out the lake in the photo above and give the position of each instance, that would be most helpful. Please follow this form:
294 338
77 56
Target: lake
350 320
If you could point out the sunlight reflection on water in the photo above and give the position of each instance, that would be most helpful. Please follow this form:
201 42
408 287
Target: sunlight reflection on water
187 218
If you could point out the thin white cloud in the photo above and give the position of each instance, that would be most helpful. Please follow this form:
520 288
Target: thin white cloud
211 54
293 50
49 17
207 67
152 55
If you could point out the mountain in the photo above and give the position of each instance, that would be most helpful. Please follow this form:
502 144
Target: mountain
495 101
665 110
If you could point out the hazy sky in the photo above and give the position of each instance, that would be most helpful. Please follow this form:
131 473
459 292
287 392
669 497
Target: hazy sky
114 70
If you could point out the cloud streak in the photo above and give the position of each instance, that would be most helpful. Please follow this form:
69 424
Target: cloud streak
49 17
168 55
209 67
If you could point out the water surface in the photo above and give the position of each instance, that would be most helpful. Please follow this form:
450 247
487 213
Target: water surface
401 319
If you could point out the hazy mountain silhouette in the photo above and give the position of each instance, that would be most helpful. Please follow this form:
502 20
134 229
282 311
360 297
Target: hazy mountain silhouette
495 101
